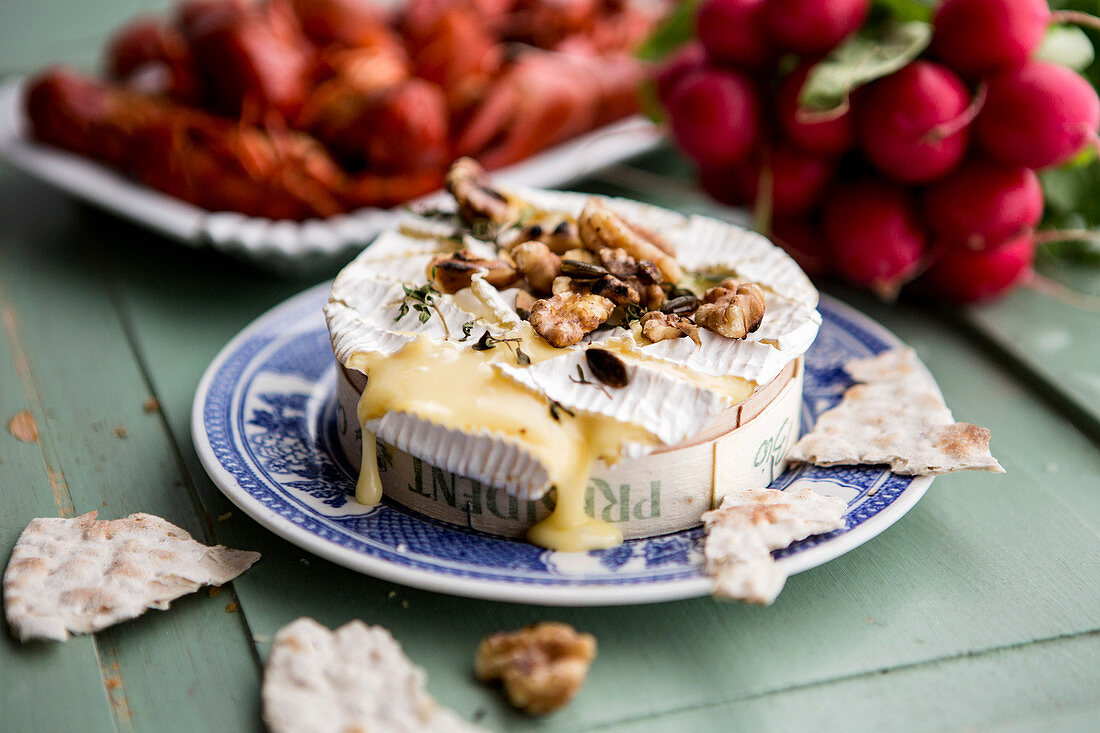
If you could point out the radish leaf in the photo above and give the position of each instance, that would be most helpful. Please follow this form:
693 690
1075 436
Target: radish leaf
871 54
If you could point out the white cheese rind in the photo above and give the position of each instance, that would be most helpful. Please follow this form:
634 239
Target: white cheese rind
645 401
378 304
710 243
482 456
352 335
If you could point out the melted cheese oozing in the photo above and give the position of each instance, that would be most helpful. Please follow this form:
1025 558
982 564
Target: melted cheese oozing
454 386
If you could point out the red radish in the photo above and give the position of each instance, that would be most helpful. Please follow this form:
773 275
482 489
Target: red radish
725 184
798 179
832 135
979 37
1038 115
684 60
812 27
732 31
875 235
715 116
966 276
805 243
982 204
913 123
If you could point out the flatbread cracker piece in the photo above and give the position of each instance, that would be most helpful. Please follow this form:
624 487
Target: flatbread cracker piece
356 678
76 576
896 416
749 524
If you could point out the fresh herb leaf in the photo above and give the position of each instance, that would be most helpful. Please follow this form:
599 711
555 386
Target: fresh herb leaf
485 343
879 49
557 407
907 9
677 29
424 300
581 379
632 312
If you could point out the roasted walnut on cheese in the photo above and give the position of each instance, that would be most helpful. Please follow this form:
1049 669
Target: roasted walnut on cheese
733 309
601 228
565 318
641 275
542 666
560 235
657 326
538 264
597 269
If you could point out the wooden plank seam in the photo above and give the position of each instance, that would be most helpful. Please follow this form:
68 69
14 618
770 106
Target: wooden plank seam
210 535
970 654
112 681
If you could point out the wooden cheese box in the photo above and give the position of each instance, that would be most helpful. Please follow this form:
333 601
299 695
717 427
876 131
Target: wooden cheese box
666 491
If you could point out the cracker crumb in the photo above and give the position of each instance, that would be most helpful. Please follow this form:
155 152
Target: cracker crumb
404 604
23 427
214 591
223 517
120 432
231 608
151 405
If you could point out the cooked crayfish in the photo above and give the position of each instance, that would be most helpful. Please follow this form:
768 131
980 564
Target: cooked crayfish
307 108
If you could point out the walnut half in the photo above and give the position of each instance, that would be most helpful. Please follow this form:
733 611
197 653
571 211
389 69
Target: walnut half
657 326
538 264
542 666
733 309
600 228
564 319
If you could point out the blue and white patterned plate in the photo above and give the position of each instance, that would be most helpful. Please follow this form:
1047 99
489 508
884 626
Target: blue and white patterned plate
264 425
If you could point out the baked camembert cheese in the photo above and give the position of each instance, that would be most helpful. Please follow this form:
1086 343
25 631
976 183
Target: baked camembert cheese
525 339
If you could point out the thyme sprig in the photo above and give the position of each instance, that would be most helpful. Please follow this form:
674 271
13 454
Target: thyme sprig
488 341
557 407
581 379
424 300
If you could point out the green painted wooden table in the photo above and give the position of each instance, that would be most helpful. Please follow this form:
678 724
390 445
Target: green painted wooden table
979 610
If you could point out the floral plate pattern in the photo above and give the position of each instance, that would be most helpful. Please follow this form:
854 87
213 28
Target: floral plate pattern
264 423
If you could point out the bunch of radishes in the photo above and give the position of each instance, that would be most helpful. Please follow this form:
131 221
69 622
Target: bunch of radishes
925 175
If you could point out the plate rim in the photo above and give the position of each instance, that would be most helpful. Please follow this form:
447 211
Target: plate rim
501 590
